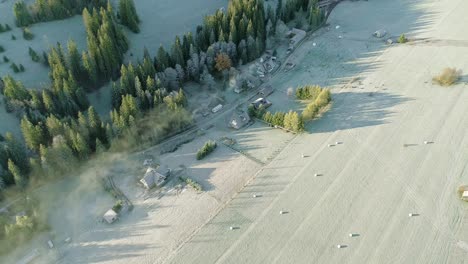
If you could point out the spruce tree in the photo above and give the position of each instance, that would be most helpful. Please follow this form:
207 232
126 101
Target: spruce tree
128 15
22 15
20 179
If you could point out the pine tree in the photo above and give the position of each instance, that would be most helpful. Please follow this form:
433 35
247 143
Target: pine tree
163 60
17 153
128 15
74 60
14 89
22 15
177 54
34 135
20 179
279 9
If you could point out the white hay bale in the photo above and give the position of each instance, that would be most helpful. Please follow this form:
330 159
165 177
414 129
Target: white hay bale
352 235
231 228
254 196
425 142
316 174
411 215
281 212
314 44
340 246
337 27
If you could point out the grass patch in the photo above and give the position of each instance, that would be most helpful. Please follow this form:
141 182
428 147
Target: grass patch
402 39
209 147
447 77
195 185
118 206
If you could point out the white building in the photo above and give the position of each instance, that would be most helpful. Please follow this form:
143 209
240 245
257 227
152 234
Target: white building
465 195
110 216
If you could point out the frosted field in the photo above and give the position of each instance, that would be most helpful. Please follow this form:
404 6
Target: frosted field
370 183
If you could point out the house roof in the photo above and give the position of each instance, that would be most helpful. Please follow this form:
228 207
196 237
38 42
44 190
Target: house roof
110 216
154 176
239 119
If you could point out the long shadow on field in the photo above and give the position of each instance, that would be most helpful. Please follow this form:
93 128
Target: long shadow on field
202 176
357 109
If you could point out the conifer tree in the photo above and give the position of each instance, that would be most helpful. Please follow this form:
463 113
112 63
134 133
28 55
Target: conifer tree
128 15
20 179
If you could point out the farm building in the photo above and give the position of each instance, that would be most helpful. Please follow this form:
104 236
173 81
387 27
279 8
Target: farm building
239 120
261 102
110 216
155 177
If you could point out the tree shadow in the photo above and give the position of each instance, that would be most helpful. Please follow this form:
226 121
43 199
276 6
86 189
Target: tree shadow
357 109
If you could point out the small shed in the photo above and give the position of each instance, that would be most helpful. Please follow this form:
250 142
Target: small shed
465 195
110 216
265 91
380 33
239 120
217 108
155 177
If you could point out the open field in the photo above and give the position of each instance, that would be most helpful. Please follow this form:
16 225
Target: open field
371 182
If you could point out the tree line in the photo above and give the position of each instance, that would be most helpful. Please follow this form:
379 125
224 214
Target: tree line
48 10
319 98
288 11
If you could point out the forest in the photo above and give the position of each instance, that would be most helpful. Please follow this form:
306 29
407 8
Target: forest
59 127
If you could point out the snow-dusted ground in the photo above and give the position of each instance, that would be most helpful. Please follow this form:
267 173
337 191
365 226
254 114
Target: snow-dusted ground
370 183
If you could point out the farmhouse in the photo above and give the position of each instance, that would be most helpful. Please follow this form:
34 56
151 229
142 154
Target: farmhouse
239 120
261 102
155 177
110 216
